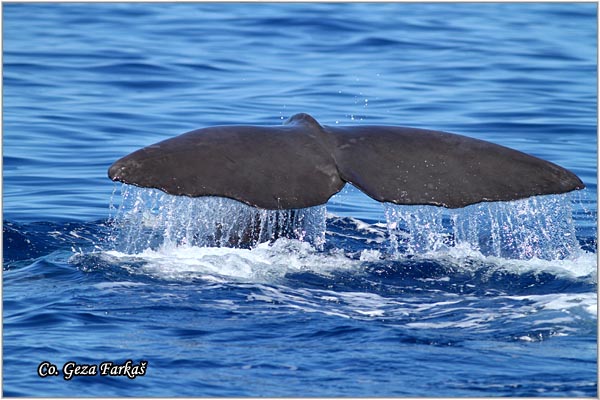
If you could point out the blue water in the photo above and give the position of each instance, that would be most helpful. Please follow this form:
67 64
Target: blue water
387 301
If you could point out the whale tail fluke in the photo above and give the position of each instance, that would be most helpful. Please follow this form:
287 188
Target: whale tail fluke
302 164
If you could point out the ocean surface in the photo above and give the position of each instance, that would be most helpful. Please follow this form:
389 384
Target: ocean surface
375 300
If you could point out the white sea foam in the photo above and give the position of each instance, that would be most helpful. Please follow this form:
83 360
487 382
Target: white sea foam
262 270
579 264
434 314
117 285
573 308
265 262
566 302
272 261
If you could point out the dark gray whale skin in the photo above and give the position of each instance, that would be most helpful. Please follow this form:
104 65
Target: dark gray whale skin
302 164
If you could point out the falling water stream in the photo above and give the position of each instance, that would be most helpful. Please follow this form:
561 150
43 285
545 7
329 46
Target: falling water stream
149 218
539 227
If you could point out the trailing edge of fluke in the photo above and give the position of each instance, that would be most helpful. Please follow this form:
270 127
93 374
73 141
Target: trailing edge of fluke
302 164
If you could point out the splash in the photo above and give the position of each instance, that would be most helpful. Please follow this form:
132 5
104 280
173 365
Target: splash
269 262
538 227
541 227
151 219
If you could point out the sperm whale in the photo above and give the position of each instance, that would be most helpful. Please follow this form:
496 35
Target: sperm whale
303 163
